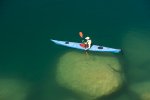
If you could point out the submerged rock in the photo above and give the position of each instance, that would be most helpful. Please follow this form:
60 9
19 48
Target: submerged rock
90 76
123 97
141 90
136 50
12 89
136 47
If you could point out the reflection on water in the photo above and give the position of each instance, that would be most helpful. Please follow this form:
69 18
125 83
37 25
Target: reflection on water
28 57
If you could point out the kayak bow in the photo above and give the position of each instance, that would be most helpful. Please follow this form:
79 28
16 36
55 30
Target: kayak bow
96 48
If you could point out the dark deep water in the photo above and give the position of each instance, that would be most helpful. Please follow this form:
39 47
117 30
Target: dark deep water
27 25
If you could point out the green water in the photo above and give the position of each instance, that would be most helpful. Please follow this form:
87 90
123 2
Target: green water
27 25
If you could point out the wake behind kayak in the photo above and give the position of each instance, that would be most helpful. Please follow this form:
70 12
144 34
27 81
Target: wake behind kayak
80 46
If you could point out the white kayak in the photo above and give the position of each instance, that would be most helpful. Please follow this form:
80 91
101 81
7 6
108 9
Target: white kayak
96 48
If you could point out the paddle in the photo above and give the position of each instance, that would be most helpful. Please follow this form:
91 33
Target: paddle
81 35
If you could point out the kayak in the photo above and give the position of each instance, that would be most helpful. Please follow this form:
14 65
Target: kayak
96 48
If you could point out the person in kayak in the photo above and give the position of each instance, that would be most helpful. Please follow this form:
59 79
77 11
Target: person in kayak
88 43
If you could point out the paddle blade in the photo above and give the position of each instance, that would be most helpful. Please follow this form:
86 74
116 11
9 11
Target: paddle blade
81 34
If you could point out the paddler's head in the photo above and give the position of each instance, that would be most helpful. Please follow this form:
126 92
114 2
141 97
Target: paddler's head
87 38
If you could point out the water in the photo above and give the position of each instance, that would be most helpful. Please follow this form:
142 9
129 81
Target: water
27 25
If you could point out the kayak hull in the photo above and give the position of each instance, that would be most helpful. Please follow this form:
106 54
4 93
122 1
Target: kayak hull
96 48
